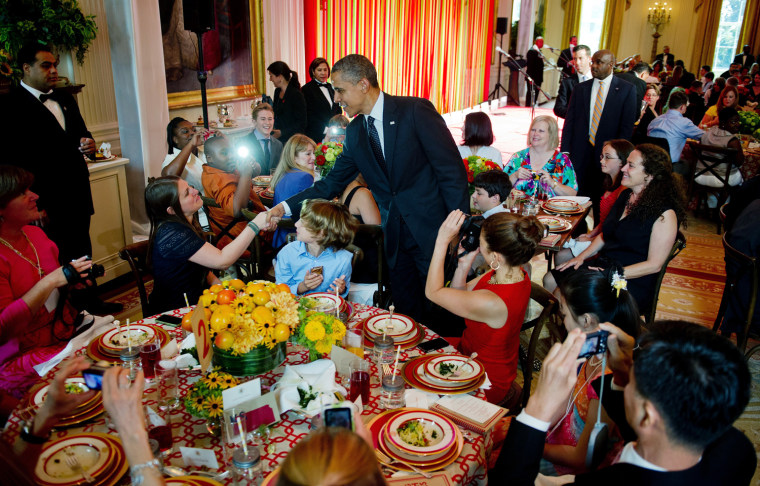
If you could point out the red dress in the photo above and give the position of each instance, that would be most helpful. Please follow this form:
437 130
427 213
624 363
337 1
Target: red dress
606 202
498 348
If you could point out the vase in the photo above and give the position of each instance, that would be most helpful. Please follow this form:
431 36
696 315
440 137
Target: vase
255 362
214 426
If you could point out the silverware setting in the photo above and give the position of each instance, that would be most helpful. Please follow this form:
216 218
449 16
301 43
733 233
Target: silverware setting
387 461
73 463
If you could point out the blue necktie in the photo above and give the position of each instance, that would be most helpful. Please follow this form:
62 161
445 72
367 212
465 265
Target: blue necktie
267 154
374 142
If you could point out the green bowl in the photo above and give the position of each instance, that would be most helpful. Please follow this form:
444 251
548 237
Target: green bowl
254 362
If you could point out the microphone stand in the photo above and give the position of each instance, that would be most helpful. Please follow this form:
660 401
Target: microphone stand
496 93
531 84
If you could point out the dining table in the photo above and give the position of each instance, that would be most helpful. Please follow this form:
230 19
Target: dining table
469 468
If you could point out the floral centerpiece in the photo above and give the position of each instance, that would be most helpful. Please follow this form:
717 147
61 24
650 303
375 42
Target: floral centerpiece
474 165
750 122
326 154
318 331
204 399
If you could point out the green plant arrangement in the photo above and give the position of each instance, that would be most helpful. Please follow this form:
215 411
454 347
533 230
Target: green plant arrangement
57 23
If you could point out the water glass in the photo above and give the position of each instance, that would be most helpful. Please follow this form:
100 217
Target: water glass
359 381
392 395
384 351
530 207
150 354
353 341
167 380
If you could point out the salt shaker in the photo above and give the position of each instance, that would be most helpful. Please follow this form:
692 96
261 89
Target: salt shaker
383 352
246 467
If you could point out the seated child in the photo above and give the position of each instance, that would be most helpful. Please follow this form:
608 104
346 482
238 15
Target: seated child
318 261
492 188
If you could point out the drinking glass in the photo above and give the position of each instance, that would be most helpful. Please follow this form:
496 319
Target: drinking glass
159 425
150 354
168 384
359 381
354 341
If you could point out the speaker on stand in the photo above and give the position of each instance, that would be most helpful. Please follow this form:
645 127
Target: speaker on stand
198 16
501 29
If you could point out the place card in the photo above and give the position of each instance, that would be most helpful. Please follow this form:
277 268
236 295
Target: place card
192 456
237 395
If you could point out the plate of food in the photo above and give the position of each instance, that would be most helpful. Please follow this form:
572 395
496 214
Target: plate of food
422 433
322 301
555 225
558 205
262 180
74 385
92 452
115 340
444 367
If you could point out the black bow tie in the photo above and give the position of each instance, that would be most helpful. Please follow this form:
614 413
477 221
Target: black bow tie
323 84
45 97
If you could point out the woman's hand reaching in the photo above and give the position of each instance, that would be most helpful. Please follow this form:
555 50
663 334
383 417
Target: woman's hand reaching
80 265
523 173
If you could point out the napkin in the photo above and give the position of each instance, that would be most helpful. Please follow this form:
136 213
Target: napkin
100 326
576 247
486 384
419 399
579 199
319 374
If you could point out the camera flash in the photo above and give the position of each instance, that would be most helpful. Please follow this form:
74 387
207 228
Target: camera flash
242 151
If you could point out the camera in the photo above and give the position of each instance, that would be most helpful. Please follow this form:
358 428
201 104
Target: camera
339 417
596 343
91 274
470 233
95 271
93 377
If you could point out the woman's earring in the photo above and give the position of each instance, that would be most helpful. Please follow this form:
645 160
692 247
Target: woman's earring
494 264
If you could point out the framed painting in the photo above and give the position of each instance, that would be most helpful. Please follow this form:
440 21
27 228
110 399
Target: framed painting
235 68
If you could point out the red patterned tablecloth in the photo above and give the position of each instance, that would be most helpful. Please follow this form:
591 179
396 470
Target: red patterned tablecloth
751 165
189 431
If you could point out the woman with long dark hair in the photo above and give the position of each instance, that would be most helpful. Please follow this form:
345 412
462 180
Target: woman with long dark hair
288 102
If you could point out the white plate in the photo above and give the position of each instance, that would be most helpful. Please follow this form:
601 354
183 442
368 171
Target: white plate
441 384
397 327
438 429
470 371
92 452
39 395
120 337
326 301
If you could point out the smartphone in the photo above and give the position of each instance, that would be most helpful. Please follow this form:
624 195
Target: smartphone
317 270
169 320
437 343
93 377
339 417
596 343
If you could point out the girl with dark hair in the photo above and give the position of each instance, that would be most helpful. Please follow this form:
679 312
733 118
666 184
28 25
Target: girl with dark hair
478 138
640 230
183 159
288 102
34 325
178 253
493 304
320 99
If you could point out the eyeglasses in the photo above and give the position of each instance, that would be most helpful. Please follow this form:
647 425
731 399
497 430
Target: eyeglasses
605 157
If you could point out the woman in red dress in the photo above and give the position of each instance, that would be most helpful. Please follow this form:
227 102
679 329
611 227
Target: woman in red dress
493 304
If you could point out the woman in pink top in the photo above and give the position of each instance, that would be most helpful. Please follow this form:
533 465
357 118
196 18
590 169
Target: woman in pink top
33 327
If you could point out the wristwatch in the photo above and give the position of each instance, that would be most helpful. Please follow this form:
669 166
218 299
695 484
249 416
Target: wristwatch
27 435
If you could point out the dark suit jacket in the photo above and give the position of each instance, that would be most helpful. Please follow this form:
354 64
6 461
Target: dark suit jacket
619 115
289 113
638 83
670 61
535 66
563 95
253 144
33 139
426 179
318 110
563 61
747 63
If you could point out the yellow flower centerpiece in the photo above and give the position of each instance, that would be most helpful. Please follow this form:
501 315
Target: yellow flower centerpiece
204 399
318 331
250 324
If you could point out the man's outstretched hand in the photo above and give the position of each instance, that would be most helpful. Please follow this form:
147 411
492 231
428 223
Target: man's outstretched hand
275 214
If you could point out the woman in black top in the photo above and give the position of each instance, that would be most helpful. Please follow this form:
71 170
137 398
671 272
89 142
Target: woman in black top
288 103
319 96
651 97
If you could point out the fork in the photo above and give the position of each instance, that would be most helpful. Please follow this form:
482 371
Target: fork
458 372
387 461
73 463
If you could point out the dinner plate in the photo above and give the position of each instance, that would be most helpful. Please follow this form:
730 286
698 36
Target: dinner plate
114 340
428 380
327 301
555 225
439 431
104 159
262 180
271 478
471 371
38 396
94 455
426 462
96 354
398 326
562 206
410 374
191 481
82 417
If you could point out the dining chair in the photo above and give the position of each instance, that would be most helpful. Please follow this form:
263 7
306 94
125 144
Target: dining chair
373 235
715 161
747 268
136 255
678 246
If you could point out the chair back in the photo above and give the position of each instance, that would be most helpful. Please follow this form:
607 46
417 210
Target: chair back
678 246
136 255
715 161
220 230
747 265
374 233
659 141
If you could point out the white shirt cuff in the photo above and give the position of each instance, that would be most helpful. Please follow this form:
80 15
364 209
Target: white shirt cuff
532 422
286 208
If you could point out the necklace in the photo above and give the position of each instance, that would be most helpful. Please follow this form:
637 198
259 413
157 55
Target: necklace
40 271
516 276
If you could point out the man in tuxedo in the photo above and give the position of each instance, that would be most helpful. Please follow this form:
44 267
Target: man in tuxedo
43 132
265 148
582 62
564 61
535 69
600 109
407 156
666 57
319 96
744 58
637 76
682 389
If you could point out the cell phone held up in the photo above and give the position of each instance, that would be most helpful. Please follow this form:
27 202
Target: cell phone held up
339 417
93 377
596 343
317 270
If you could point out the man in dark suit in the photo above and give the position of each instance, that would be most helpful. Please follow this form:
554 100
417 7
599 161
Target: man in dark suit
320 96
600 109
682 391
636 77
666 57
265 148
43 132
535 69
564 61
582 62
744 58
407 156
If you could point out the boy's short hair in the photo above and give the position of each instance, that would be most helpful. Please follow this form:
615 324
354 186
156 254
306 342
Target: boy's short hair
494 182
333 219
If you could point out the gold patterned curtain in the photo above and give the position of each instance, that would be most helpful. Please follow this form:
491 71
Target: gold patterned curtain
572 21
613 24
751 27
708 22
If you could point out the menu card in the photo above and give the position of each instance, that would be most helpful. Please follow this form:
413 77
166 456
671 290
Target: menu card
550 240
470 412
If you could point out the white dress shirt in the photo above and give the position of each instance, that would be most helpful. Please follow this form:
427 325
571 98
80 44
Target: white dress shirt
594 89
51 105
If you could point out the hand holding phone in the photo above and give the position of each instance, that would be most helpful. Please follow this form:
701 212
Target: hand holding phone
339 417
596 343
93 377
317 270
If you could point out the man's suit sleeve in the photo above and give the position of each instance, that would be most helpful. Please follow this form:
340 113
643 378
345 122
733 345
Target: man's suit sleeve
520 457
443 155
627 111
571 120
560 104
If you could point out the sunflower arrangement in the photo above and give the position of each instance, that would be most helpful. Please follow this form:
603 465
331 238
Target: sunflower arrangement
204 399
318 332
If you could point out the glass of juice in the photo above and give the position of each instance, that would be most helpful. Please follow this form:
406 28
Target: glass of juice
150 354
359 381
353 341
159 424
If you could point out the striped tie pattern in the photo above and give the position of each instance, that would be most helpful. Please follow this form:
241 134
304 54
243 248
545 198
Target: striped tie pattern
597 114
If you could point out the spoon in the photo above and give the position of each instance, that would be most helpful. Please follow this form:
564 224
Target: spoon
458 371
387 461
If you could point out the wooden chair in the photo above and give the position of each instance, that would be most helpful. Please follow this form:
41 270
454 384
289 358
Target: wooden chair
678 246
659 141
716 161
136 255
748 266
549 318
374 232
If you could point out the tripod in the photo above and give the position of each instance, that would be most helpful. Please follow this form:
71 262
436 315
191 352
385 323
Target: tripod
496 93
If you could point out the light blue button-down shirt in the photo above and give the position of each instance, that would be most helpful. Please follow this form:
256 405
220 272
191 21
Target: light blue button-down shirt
294 260
673 127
